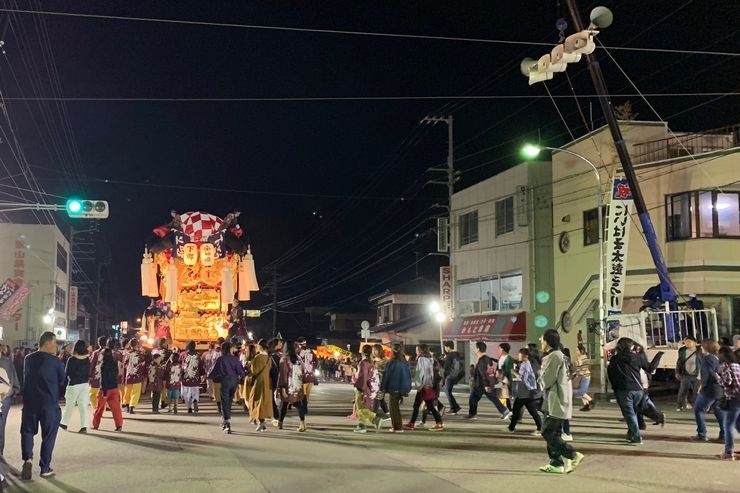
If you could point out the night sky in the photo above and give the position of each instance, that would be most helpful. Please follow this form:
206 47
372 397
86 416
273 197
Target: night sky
332 191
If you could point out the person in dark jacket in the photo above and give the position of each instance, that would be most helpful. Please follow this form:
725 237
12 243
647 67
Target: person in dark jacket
228 370
483 384
454 371
397 384
710 391
687 372
624 376
43 379
78 386
109 395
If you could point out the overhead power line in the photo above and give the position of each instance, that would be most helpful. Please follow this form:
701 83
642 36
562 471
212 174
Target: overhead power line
344 32
354 98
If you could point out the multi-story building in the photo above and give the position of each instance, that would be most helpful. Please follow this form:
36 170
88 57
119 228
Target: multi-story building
501 258
690 183
403 314
36 255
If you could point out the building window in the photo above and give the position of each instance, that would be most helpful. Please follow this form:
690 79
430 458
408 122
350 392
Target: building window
703 214
61 258
468 228
681 222
60 300
384 313
505 216
591 225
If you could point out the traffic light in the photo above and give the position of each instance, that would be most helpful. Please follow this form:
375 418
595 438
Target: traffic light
87 209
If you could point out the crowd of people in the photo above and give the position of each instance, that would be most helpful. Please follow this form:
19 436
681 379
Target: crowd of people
269 378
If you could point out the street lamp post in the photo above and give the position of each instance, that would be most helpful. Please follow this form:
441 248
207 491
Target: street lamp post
532 151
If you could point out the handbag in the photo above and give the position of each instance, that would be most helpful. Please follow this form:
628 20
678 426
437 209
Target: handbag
428 394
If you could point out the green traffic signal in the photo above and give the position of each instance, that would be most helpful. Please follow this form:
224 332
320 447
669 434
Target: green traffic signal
87 209
74 206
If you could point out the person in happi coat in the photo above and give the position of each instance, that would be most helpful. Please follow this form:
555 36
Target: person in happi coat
290 386
158 374
174 381
260 398
192 376
367 385
134 375
96 361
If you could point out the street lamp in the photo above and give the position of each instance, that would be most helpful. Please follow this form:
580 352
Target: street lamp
531 151
435 309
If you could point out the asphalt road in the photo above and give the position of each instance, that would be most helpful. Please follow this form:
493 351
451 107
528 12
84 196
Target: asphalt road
187 453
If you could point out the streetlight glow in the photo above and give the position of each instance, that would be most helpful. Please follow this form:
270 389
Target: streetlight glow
531 151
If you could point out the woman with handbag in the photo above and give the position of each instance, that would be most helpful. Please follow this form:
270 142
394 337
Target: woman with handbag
424 380
258 379
729 406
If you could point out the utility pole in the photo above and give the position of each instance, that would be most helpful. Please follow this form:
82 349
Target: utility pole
450 182
666 287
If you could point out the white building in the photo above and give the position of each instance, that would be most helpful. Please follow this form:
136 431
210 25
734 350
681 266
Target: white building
691 186
38 256
501 258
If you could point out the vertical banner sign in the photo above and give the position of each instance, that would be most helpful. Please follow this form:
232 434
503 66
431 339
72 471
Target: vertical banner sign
72 313
446 291
618 235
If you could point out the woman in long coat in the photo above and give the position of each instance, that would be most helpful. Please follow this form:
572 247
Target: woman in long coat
260 400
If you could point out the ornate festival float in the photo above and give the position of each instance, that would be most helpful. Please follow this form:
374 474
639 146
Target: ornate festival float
196 269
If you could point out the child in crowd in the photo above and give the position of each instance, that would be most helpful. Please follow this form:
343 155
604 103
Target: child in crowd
157 377
174 381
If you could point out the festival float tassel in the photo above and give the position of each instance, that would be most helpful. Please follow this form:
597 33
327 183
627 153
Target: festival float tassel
148 276
227 287
171 284
247 276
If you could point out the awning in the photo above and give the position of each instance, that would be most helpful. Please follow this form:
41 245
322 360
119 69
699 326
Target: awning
510 326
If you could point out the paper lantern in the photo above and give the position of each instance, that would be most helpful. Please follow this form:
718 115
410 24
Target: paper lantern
227 286
247 276
190 253
171 284
148 276
207 254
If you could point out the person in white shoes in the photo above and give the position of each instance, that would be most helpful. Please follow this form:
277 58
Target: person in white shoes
557 405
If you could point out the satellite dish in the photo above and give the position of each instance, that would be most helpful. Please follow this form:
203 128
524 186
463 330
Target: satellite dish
601 17
526 66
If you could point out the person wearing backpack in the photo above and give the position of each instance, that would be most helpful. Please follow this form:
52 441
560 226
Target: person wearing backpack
483 383
454 371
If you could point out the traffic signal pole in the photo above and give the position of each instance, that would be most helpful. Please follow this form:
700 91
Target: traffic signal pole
666 287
